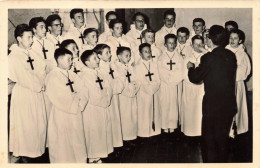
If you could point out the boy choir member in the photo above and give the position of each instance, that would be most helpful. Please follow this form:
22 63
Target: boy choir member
192 93
28 120
69 98
91 39
108 70
183 47
170 67
147 76
240 121
96 116
168 28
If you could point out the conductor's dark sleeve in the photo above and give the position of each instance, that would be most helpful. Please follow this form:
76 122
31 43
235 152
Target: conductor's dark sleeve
196 75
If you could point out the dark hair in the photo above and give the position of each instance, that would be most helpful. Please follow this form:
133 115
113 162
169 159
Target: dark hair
100 47
197 37
240 34
110 13
138 14
89 30
122 49
168 36
75 11
198 20
141 46
59 52
52 18
183 30
85 56
218 35
20 29
113 22
169 12
34 22
67 42
147 31
232 23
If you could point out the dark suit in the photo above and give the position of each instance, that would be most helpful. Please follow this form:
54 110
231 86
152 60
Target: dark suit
218 72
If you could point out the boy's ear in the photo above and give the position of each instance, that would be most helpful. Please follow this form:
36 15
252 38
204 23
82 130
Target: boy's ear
73 20
240 41
19 39
34 30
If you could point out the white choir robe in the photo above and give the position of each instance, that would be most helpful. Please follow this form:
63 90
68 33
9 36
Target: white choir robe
243 70
96 118
77 65
191 114
133 35
102 38
55 41
75 34
66 138
85 47
114 42
160 34
127 99
169 90
184 49
117 86
28 118
148 89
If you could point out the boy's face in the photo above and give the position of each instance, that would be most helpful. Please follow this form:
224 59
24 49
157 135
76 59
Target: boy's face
198 27
56 27
169 21
91 38
40 30
197 43
72 47
111 17
234 40
139 22
125 57
78 20
171 44
149 38
106 55
229 28
26 40
118 30
65 62
146 53
182 37
93 61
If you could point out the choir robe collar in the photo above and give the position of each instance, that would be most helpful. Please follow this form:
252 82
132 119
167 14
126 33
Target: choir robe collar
133 28
104 65
193 34
170 54
146 62
73 28
16 48
36 40
124 66
235 50
53 38
169 30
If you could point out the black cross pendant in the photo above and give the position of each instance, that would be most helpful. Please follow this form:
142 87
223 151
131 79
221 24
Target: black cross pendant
70 84
100 82
171 63
82 38
149 75
128 76
58 44
140 38
44 52
111 72
75 70
31 62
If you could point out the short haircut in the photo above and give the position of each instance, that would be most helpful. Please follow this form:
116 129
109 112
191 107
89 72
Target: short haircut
34 22
85 56
89 30
199 20
100 47
20 29
138 14
218 35
197 37
183 30
60 52
147 31
52 18
168 36
232 23
113 22
120 50
110 13
75 11
67 42
141 46
240 34
169 12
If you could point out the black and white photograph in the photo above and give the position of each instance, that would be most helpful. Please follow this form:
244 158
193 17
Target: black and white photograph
129 85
